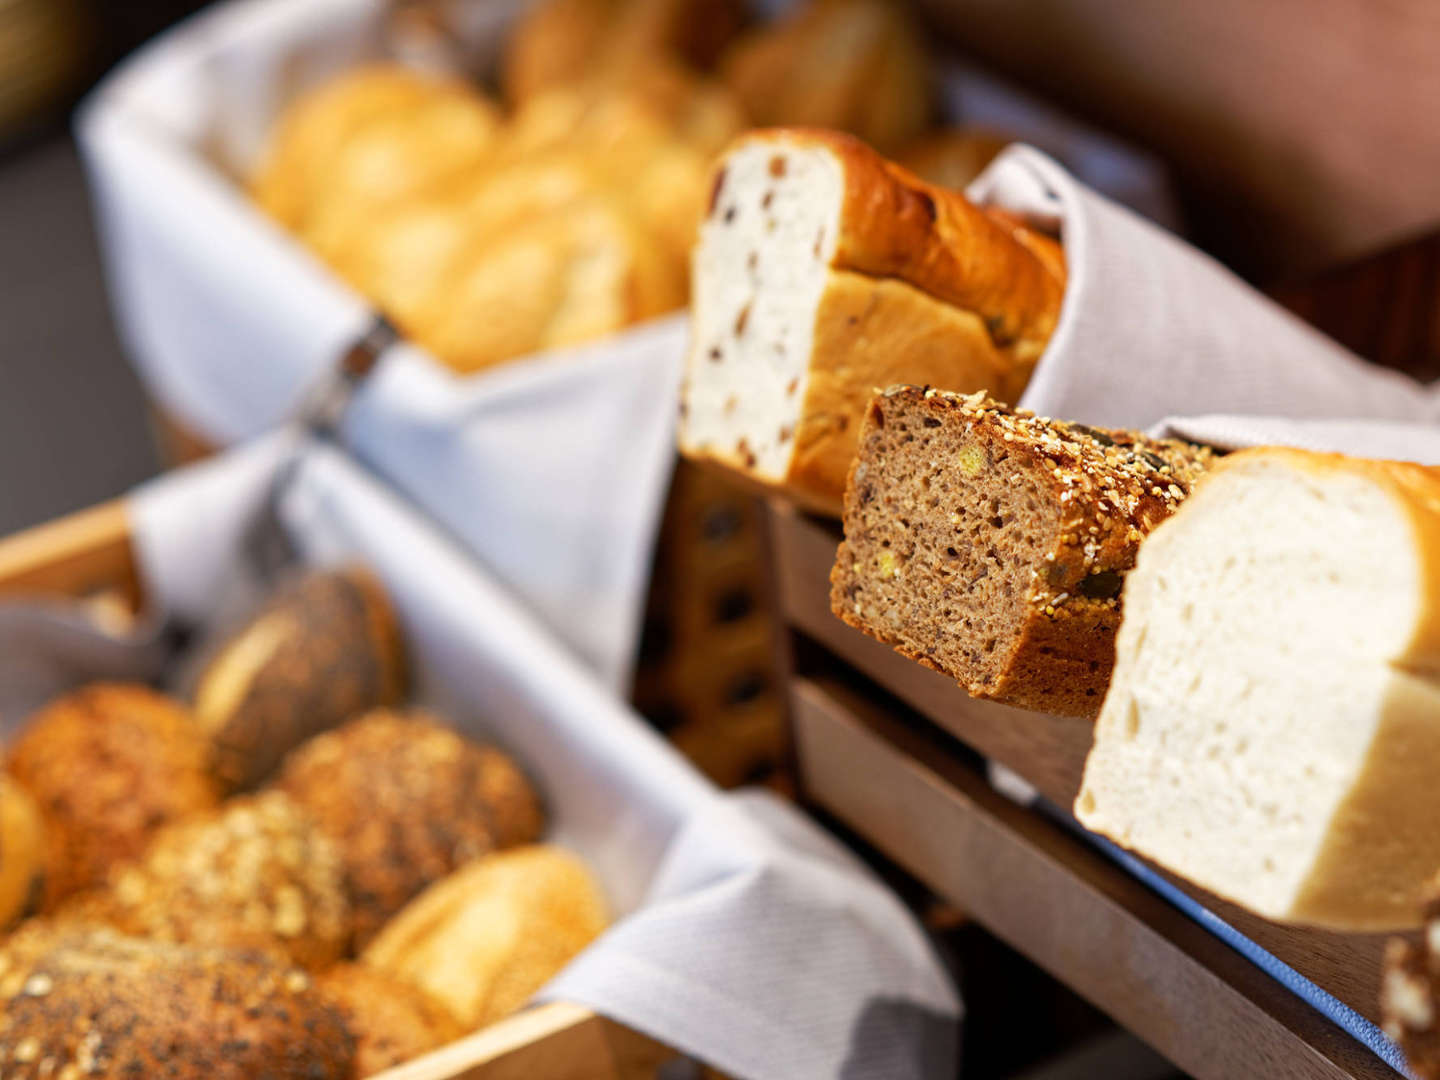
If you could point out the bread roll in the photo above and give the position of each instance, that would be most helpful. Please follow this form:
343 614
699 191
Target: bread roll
485 939
109 765
365 140
851 65
22 854
1274 718
953 157
94 1003
326 647
406 800
257 875
392 1022
824 271
991 544
558 42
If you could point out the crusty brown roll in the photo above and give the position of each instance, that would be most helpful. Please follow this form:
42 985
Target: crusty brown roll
484 939
87 1002
851 65
392 1021
325 648
109 765
824 271
22 854
562 41
952 157
259 874
406 800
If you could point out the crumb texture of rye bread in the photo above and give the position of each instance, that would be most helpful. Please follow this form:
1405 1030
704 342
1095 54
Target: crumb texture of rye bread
991 544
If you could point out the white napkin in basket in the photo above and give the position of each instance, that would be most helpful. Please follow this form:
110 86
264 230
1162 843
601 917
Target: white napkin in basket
1150 327
749 939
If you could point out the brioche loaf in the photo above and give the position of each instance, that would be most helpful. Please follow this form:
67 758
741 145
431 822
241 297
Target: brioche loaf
1274 717
990 544
406 800
86 1002
324 648
824 271
109 765
851 65
484 939
256 875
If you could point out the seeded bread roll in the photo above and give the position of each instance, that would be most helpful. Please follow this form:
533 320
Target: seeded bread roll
22 854
1273 723
991 544
392 1021
258 875
94 1003
852 65
483 940
406 800
325 648
109 765
824 271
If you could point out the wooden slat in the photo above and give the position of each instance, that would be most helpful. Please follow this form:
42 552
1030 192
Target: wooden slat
1049 752
82 553
1057 901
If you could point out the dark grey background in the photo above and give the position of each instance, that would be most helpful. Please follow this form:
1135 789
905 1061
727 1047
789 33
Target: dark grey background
73 423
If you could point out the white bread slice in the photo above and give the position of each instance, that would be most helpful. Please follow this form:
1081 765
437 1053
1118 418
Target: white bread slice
1272 729
823 272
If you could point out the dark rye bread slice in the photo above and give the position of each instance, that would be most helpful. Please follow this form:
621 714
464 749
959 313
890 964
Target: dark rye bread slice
991 544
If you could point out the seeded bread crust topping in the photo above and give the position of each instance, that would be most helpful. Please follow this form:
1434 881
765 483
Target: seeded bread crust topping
991 544
1410 993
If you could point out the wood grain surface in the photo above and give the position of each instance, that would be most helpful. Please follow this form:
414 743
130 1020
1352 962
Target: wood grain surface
1058 901
1049 752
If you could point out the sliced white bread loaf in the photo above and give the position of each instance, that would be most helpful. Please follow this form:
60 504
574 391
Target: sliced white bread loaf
1272 728
824 271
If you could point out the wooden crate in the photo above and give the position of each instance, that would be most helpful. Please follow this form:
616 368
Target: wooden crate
89 554
891 747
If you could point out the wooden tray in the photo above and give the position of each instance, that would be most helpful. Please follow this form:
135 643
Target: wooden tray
878 749
88 555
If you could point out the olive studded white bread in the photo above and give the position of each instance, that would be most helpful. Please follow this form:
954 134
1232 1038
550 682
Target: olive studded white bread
990 544
1272 729
824 271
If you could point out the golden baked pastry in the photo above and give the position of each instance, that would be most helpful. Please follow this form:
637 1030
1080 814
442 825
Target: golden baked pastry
22 854
406 800
851 65
483 940
258 874
91 1002
562 41
371 138
951 157
392 1021
109 765
325 647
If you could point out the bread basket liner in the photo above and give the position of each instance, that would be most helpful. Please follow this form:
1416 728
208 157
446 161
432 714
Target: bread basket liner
551 471
746 937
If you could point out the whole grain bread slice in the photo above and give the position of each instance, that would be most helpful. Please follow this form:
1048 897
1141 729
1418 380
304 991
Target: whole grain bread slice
991 544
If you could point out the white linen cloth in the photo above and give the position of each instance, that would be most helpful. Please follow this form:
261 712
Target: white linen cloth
551 471
1150 327
747 938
